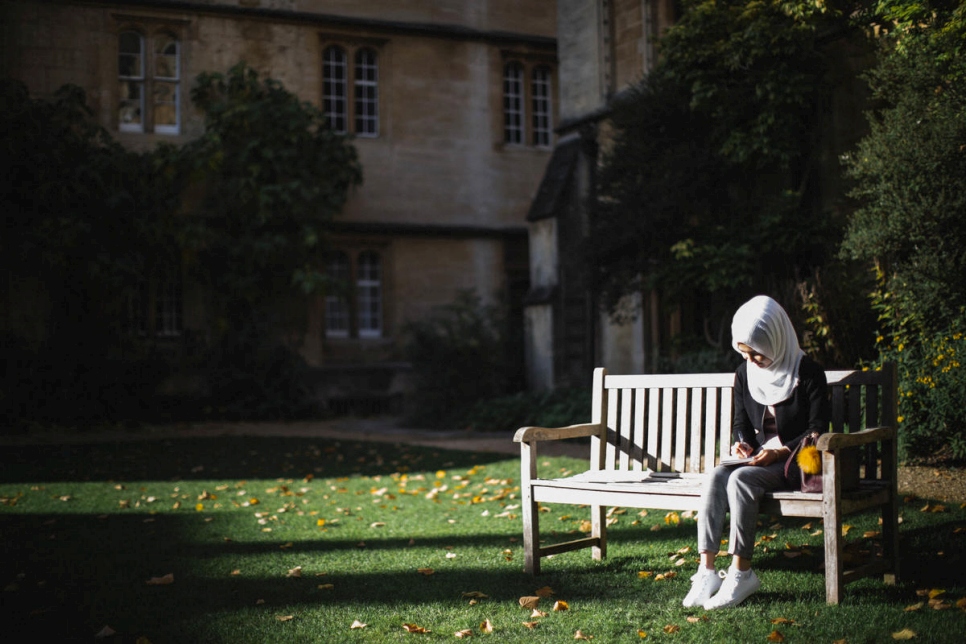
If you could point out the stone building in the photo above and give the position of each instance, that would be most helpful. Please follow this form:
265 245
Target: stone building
603 47
452 104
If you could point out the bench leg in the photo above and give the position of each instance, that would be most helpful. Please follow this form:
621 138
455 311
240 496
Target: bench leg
833 552
530 512
598 530
890 540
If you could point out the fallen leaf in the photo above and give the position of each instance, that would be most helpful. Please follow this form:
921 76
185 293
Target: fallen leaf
671 628
775 636
161 581
904 634
357 624
107 631
426 571
294 572
641 634
285 618
694 619
560 605
529 602
475 594
936 592
580 636
672 518
546 591
938 604
325 586
413 628
463 633
644 574
915 607
537 613
486 626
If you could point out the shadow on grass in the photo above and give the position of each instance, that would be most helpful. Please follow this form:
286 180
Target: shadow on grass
67 575
225 458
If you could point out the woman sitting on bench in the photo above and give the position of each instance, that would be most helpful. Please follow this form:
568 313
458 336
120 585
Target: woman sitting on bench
780 396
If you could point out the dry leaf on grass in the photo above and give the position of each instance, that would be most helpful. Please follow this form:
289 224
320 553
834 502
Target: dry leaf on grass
671 628
294 572
285 618
579 635
413 628
463 633
357 624
904 634
426 571
537 613
775 636
529 602
486 626
560 605
783 620
161 581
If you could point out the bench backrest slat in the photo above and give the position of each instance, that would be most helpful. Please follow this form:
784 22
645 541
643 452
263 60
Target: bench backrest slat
682 422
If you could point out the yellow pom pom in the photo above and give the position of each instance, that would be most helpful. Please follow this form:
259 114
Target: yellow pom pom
809 459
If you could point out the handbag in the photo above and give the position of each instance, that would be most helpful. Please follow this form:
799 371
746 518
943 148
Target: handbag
803 469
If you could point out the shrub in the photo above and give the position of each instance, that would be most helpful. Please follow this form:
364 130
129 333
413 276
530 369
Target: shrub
932 381
459 356
556 408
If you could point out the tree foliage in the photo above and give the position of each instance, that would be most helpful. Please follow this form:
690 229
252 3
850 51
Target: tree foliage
84 219
708 186
910 171
268 176
909 178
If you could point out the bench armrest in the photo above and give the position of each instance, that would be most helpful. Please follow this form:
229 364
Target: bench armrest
534 434
835 441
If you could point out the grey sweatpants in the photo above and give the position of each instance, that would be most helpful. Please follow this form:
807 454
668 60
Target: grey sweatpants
736 489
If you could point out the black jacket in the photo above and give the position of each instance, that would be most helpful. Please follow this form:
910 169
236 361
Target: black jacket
806 410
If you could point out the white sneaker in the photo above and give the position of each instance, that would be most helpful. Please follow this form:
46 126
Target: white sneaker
704 584
737 587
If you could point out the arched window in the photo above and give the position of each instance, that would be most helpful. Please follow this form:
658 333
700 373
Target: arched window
366 93
130 72
149 82
336 302
335 89
513 103
541 116
369 293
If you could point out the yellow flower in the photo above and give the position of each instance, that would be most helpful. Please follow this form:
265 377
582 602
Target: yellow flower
899 419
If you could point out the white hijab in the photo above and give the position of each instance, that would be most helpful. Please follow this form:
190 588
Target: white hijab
762 324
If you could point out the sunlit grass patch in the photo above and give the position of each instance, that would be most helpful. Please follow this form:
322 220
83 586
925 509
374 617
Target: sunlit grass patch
257 540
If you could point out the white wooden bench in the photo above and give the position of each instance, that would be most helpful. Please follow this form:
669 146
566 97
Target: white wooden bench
653 437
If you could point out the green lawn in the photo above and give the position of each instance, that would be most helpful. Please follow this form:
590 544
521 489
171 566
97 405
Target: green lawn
294 540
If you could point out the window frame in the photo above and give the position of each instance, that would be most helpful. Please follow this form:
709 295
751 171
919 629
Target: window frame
149 80
361 116
155 308
527 100
358 296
